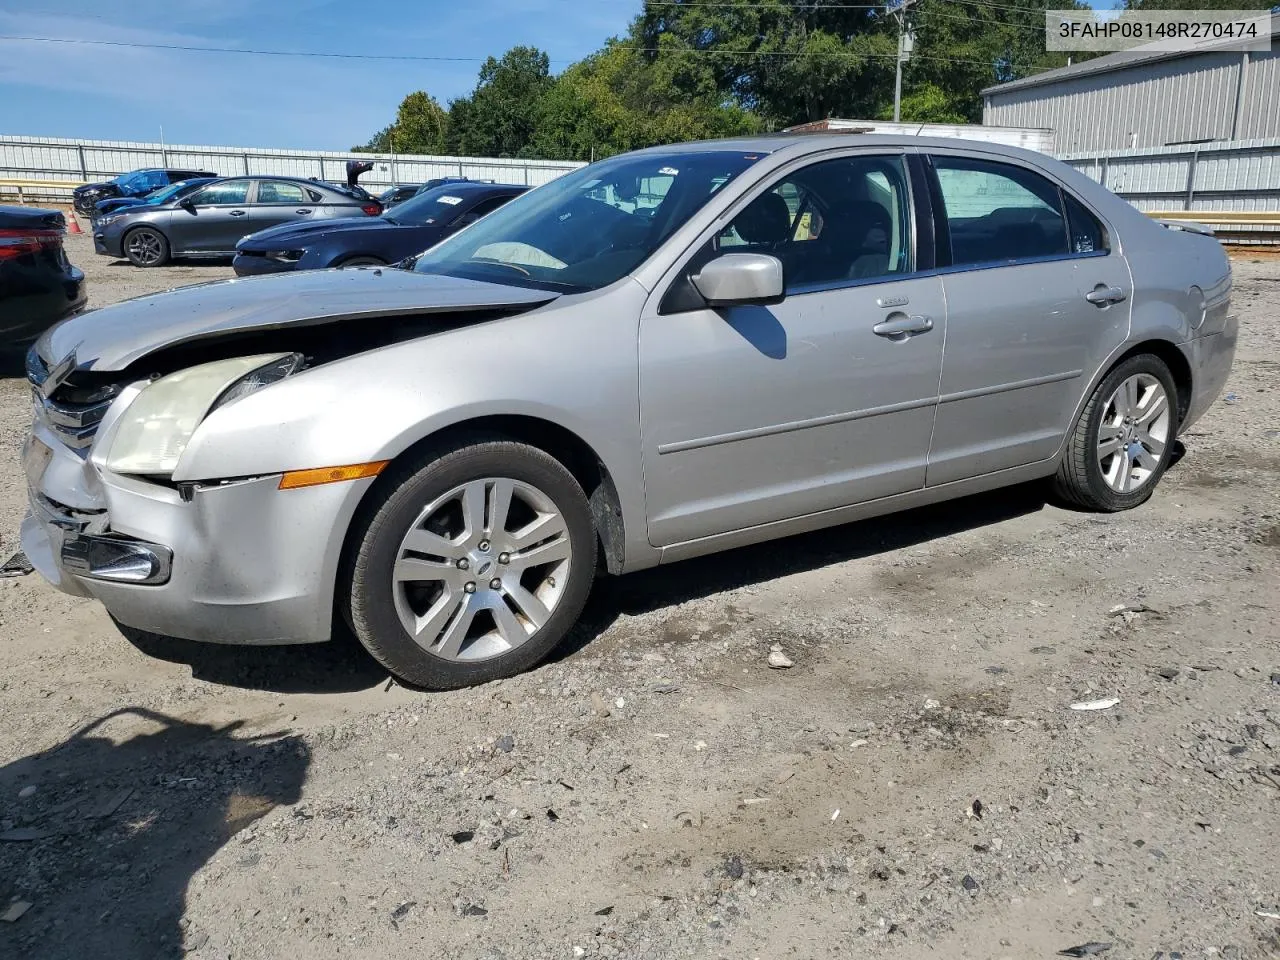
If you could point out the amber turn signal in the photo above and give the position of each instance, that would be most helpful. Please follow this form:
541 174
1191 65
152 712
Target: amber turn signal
310 478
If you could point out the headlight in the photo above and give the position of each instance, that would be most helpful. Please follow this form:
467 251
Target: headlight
157 426
108 218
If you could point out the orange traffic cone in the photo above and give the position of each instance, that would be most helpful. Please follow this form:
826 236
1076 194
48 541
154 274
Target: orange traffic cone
74 226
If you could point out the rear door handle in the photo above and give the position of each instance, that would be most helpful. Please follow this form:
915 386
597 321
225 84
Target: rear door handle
902 328
302 212
237 213
1101 296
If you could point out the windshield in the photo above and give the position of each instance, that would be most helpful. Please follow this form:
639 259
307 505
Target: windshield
169 192
589 228
430 206
140 181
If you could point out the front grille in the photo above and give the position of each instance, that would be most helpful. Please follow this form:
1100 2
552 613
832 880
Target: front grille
73 412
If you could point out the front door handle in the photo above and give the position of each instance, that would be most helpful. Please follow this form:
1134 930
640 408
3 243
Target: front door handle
302 212
902 328
237 213
1101 296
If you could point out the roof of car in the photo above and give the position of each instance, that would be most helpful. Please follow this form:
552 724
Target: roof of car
472 186
807 142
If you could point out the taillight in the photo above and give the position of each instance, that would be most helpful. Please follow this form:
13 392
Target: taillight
16 243
372 209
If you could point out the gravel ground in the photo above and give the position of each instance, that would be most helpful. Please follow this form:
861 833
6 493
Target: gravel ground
914 786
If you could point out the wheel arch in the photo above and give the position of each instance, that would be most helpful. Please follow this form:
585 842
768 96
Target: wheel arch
1173 358
1166 350
134 228
574 453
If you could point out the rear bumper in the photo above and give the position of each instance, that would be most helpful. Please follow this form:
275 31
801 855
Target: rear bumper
1210 358
46 297
259 266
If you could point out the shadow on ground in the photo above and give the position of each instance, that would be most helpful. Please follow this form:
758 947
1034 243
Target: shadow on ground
677 583
340 666
125 811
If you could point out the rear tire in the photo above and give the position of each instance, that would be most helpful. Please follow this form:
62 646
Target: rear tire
146 247
471 564
1123 440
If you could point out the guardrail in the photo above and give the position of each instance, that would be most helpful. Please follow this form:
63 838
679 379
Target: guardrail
24 190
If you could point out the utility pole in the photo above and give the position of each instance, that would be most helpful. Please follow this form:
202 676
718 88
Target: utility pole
906 41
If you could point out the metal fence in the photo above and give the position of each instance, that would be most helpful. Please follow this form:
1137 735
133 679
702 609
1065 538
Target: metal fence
80 161
1207 178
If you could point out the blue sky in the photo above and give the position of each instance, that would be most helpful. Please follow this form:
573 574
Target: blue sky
121 93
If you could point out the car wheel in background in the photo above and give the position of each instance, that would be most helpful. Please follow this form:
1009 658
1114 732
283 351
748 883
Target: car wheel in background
363 262
470 564
1123 440
146 247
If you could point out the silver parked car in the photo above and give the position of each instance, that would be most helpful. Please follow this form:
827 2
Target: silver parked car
209 222
664 354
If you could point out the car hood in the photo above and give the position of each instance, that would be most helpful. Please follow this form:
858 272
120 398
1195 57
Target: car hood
114 337
88 187
280 238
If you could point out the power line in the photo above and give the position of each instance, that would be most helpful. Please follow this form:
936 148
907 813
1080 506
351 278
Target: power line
661 51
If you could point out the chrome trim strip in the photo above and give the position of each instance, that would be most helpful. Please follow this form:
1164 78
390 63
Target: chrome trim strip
1006 387
791 426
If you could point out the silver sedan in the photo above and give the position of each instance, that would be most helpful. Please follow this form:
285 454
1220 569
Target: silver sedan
661 355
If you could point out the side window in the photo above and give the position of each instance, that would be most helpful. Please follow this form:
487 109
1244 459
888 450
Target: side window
996 212
276 191
487 206
227 193
838 220
1086 234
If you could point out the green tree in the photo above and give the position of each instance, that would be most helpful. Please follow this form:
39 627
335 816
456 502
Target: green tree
499 118
421 125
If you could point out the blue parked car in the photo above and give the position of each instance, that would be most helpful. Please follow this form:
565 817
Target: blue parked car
135 183
174 191
406 229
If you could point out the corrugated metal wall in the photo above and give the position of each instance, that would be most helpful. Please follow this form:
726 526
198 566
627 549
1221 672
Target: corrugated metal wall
88 160
1242 175
1149 105
1261 116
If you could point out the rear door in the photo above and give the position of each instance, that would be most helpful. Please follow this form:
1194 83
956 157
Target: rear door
216 218
1020 259
281 201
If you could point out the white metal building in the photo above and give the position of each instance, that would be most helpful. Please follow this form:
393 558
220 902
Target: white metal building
1140 99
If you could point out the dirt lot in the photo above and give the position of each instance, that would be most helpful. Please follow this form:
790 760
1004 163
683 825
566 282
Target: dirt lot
915 786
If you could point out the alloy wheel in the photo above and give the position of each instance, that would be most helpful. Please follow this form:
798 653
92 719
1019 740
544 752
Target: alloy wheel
145 247
1133 433
481 569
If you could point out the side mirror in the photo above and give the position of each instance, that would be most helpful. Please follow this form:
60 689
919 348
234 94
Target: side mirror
739 278
187 204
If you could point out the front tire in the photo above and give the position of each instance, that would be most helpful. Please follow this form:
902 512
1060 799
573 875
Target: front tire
1123 441
146 247
362 262
471 565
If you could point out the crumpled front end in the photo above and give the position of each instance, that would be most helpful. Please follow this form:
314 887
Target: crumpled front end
237 561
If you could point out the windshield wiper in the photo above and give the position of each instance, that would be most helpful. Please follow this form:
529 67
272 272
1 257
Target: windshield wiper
500 263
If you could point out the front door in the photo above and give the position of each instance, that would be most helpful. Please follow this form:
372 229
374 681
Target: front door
754 414
1026 328
215 219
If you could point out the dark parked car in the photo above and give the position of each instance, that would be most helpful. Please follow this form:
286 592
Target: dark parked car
135 183
174 191
38 285
398 194
401 232
209 222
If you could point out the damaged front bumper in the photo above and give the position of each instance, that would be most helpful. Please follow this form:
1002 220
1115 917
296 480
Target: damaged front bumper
228 562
